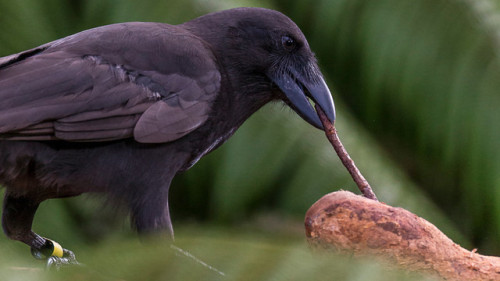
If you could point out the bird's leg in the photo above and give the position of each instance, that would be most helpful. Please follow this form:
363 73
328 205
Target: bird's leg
17 218
55 255
151 215
154 218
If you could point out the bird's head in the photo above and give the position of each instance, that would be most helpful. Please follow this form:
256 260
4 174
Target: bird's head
266 43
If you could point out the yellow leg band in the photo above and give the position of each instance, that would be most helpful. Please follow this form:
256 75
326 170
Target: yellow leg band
58 250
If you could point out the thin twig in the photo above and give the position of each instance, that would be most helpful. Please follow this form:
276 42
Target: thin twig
331 134
195 259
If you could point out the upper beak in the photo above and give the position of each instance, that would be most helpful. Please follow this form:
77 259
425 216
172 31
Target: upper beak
298 89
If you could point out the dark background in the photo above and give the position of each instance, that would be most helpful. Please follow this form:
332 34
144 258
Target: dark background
416 86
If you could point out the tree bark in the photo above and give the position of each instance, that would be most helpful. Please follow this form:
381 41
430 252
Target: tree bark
344 222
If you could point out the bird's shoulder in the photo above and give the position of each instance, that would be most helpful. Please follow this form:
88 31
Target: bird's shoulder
142 45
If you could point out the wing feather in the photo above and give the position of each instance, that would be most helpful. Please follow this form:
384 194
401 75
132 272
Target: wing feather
89 87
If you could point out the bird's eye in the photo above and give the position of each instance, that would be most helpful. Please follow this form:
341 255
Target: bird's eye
288 43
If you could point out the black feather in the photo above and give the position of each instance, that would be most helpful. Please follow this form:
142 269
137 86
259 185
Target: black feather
121 109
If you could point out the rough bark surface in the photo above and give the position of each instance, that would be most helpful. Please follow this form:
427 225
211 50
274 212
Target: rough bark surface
344 222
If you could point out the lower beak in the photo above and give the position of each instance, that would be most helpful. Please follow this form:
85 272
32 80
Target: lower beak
298 91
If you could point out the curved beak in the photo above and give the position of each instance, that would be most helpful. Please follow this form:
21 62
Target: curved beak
299 89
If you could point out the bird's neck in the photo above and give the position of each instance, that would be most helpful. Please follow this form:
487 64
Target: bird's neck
235 103
244 90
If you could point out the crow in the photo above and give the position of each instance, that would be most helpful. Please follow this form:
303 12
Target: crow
121 109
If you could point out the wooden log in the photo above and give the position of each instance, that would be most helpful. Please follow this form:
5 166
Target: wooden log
344 222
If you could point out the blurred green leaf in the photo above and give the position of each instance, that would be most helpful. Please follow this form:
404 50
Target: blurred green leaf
423 78
238 255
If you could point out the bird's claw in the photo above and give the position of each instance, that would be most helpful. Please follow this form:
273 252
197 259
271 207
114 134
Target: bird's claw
68 258
55 255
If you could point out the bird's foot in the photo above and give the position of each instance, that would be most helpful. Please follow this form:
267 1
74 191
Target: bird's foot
55 255
67 259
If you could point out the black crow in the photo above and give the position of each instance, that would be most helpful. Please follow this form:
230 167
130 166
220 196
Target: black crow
121 109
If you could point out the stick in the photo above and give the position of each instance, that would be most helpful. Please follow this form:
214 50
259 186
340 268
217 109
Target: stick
331 134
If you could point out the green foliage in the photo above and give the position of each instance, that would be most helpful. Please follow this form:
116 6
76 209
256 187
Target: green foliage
423 77
244 178
237 254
